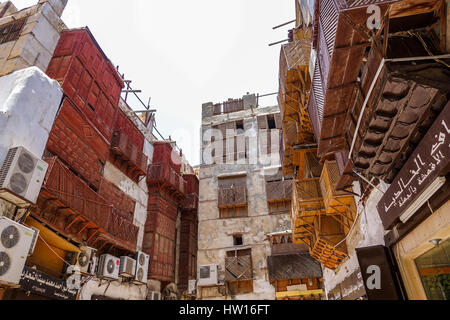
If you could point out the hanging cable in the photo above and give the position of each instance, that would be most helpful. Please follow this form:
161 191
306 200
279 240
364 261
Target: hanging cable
57 255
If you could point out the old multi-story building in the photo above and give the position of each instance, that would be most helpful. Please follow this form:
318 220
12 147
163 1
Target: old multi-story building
365 136
245 250
70 131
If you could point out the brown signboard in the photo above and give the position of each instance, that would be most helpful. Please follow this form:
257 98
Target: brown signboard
380 280
42 284
424 166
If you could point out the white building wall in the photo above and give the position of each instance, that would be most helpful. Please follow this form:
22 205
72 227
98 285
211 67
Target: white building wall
29 102
368 231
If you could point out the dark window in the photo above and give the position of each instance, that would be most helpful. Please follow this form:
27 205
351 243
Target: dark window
11 31
238 240
239 127
271 122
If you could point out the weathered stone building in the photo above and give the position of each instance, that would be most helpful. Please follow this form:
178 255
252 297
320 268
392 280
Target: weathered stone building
239 205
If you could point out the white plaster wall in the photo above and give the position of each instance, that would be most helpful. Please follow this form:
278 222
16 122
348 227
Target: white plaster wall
29 102
138 192
114 290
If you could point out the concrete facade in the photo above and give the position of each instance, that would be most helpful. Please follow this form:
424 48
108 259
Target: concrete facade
216 234
37 39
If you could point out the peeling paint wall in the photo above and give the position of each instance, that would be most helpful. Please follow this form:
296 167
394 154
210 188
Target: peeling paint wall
215 234
138 192
368 231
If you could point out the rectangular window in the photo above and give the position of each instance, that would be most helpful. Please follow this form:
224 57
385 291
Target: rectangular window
11 31
232 197
238 240
271 122
434 271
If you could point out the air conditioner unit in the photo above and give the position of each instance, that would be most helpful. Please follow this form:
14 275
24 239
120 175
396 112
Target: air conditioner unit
154 295
21 177
15 243
207 275
127 267
81 260
34 241
93 266
142 264
192 286
108 267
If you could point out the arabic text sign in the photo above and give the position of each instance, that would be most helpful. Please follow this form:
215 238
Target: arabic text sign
423 167
45 285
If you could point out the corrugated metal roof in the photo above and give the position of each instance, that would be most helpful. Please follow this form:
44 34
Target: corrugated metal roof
293 266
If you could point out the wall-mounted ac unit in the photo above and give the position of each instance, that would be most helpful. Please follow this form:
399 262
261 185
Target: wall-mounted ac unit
108 267
21 177
127 267
15 243
142 264
93 266
192 286
82 260
154 295
207 275
34 241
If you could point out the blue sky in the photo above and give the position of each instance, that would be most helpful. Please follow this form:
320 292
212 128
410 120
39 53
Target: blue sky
185 53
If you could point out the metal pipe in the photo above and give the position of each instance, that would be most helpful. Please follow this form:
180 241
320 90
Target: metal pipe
278 42
367 181
267 95
284 24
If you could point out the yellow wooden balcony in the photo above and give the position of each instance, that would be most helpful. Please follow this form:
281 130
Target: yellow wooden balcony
327 254
298 295
333 200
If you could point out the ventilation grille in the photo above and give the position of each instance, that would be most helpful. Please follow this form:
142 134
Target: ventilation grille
7 165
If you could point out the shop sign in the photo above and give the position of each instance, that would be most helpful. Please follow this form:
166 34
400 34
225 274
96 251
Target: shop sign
378 274
42 284
424 166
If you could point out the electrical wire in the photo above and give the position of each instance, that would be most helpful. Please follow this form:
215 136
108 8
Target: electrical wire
356 218
57 255
419 37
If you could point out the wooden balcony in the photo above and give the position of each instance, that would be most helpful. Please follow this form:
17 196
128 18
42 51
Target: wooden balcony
131 158
402 107
307 197
69 205
335 201
293 96
279 191
190 202
317 226
167 177
235 197
326 254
